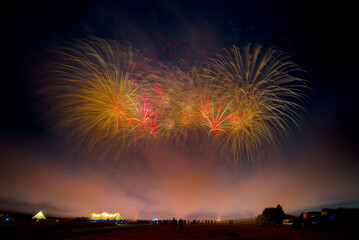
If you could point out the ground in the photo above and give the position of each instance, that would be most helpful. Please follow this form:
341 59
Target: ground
219 231
191 231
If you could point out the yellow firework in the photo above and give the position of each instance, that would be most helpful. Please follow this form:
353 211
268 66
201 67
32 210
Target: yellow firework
265 92
182 91
88 80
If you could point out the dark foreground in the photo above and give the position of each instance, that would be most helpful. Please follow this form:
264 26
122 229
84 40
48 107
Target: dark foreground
220 231
195 231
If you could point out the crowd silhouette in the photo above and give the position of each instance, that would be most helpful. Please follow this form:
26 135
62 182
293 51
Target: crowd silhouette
180 223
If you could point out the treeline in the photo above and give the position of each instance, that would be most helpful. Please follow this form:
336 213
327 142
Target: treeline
273 215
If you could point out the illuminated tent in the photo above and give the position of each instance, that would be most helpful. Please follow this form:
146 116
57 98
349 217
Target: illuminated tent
98 217
39 216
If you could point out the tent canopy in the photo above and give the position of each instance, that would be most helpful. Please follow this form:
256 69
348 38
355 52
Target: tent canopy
39 216
105 216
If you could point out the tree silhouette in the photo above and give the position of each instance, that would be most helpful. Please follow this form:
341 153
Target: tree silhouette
273 214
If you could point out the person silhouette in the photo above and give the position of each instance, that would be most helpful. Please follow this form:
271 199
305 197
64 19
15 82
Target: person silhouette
174 223
181 224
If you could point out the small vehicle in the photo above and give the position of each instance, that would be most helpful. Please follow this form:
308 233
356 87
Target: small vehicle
288 222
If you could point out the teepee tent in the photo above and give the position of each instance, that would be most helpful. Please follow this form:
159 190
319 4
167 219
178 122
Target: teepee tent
105 217
39 216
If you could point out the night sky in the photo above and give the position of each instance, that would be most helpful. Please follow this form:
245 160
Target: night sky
316 168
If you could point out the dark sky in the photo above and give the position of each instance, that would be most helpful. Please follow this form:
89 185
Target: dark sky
319 168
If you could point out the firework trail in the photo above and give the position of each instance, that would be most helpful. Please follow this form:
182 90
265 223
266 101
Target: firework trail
107 98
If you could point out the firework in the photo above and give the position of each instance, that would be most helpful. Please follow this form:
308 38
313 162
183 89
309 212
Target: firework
108 98
216 120
136 114
87 80
265 94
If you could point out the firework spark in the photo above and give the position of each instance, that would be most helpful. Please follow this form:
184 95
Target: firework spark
216 120
139 115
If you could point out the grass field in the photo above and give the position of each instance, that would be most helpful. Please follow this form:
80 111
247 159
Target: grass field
240 230
58 230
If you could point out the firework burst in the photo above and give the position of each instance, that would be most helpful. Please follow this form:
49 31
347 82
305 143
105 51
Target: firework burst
264 92
87 80
108 98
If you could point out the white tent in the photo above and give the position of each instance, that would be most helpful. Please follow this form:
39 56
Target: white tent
105 217
39 216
